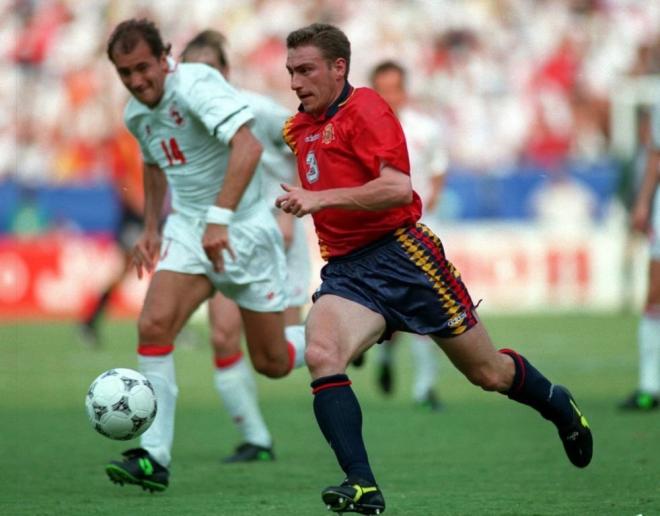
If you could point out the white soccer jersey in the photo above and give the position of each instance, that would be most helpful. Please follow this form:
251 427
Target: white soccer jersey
425 149
277 164
187 135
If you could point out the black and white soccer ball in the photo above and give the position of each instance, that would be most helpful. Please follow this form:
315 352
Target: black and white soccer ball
121 404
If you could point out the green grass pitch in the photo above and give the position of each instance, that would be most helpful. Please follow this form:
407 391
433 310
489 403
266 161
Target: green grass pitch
483 455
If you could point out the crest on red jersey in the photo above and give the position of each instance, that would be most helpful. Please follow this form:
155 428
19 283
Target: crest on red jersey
328 133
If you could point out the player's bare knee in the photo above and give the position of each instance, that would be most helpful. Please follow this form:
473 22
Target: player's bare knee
224 342
271 368
487 378
321 356
153 328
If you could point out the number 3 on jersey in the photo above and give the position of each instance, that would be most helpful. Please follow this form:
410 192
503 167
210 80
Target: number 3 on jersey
172 152
312 167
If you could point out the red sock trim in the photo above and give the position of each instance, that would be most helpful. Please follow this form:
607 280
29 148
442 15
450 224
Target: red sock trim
292 355
520 369
229 361
154 350
325 386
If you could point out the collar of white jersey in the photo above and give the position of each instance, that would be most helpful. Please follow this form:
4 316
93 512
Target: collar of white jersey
172 67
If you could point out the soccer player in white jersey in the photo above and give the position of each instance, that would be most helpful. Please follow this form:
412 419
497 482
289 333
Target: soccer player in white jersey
645 218
428 164
233 377
194 133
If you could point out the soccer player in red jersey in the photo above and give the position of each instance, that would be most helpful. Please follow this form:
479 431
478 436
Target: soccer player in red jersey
386 272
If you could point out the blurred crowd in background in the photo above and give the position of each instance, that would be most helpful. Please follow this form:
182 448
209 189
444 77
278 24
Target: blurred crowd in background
511 81
526 92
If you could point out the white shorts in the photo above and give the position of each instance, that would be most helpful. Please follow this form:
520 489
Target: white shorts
655 227
255 280
299 266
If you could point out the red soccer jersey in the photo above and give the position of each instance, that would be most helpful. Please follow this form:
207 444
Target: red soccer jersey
346 148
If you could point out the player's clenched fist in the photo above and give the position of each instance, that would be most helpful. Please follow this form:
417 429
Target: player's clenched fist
298 201
145 253
214 241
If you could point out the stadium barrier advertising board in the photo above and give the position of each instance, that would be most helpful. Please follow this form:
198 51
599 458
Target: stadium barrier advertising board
510 267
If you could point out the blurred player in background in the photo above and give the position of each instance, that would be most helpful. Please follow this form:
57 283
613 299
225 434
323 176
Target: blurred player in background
234 380
645 218
428 165
194 134
386 272
127 181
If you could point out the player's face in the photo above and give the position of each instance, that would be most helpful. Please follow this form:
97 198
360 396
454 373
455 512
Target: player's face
205 55
142 73
389 84
317 82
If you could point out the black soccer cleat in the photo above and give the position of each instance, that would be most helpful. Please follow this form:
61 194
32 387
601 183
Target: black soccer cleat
139 468
354 496
640 401
576 436
248 452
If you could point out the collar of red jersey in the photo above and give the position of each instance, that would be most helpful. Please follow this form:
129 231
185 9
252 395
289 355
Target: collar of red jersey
334 107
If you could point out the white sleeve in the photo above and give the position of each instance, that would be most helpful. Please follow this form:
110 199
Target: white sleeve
218 106
273 116
132 126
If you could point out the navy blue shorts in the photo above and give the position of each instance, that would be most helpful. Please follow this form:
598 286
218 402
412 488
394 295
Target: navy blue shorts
407 279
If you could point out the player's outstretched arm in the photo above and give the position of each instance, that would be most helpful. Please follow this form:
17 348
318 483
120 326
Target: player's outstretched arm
392 188
145 252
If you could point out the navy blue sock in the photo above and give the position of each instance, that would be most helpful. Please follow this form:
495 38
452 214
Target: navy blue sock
531 388
339 416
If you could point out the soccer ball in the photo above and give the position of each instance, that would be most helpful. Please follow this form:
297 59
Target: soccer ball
121 404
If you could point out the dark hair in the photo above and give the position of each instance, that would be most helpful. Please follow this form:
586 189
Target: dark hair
129 33
387 66
212 39
332 42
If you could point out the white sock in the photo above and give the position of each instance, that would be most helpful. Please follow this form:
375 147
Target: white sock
295 335
649 353
425 366
238 392
159 370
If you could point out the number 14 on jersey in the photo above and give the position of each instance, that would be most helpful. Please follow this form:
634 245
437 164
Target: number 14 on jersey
172 152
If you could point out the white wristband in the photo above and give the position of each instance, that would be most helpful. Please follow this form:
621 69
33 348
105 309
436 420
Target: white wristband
218 215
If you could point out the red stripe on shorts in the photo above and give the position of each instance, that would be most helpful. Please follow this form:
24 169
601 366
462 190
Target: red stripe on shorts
454 284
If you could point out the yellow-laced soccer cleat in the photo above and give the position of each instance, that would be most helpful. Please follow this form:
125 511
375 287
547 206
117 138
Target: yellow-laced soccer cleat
576 437
354 496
